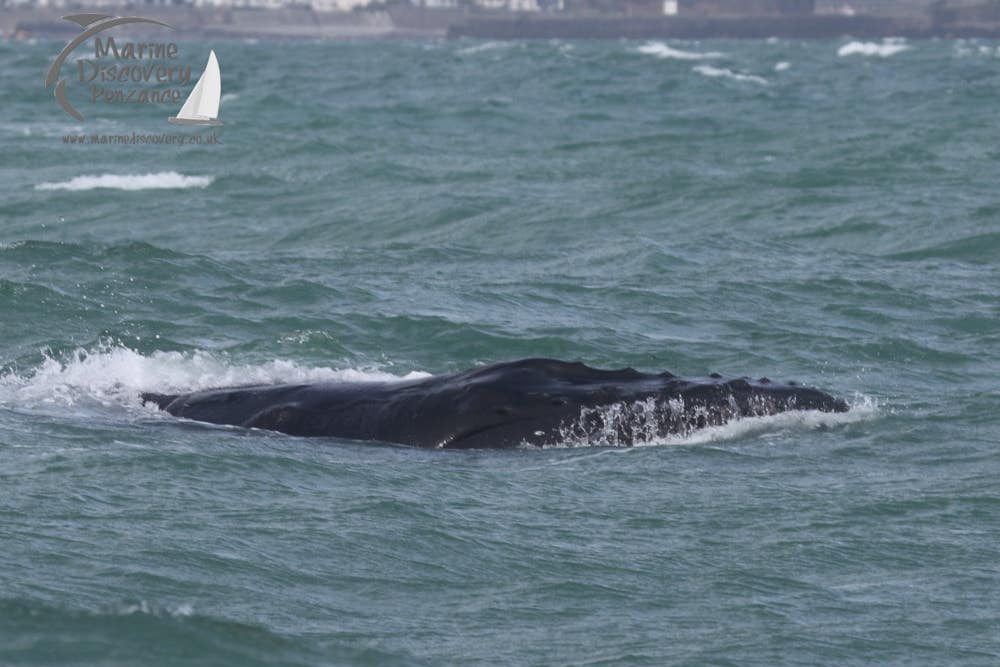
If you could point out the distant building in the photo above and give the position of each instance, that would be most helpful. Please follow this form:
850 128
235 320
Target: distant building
743 7
517 5
436 4
969 12
336 5
317 5
256 4
876 7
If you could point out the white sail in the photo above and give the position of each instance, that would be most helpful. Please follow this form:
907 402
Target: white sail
202 105
189 110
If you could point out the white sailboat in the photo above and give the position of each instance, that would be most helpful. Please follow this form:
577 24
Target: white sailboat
202 105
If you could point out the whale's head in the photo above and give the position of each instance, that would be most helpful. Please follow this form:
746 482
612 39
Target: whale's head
790 396
813 399
548 403
763 396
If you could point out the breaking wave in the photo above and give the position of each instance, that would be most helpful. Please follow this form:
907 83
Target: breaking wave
964 49
888 47
485 46
708 70
158 181
115 375
661 50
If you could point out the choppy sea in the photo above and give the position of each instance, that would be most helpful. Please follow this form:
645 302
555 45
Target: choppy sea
822 211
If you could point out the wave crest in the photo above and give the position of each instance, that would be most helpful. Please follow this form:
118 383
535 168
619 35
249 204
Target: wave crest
888 47
116 375
661 50
709 71
159 181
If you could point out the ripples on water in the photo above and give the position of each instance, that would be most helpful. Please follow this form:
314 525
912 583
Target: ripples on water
820 211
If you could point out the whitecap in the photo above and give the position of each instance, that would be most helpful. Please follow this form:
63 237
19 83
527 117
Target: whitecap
782 66
486 46
961 50
116 375
661 50
708 70
157 181
142 607
888 47
40 129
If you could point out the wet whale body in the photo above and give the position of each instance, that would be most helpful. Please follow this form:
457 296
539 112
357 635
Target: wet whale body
540 402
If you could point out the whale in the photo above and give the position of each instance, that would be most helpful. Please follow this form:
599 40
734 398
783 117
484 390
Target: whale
525 403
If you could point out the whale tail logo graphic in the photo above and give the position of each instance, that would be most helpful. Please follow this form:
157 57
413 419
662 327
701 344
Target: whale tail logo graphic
202 105
92 24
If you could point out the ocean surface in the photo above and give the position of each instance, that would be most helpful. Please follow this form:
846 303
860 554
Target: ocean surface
826 212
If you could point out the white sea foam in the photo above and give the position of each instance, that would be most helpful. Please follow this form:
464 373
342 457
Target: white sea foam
661 50
115 375
146 609
157 181
888 47
708 70
642 423
33 129
863 409
485 46
229 97
962 50
782 66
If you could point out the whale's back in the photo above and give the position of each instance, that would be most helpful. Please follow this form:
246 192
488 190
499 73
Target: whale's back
533 401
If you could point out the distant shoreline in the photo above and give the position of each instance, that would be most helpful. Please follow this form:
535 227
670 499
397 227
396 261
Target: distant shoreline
650 27
412 22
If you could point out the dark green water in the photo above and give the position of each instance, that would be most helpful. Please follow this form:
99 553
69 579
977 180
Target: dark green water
378 209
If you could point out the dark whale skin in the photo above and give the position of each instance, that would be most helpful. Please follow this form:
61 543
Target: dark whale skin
540 402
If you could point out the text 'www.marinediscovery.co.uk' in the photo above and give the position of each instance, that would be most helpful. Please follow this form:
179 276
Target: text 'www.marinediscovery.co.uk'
138 139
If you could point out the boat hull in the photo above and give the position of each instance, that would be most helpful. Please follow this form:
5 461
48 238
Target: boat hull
193 121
